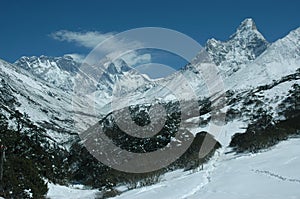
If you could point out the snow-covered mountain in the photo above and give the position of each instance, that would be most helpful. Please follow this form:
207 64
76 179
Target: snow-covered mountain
62 71
244 55
55 70
71 76
256 87
43 102
242 47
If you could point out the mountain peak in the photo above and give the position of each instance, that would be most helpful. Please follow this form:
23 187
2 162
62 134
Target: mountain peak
247 29
246 25
66 63
245 45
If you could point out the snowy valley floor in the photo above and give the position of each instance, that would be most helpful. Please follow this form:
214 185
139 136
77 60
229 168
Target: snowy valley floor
72 192
271 174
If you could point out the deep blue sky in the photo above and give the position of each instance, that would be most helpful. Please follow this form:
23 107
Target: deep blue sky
26 25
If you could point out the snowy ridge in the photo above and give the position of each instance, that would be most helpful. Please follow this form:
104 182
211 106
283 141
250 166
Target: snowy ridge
245 55
55 70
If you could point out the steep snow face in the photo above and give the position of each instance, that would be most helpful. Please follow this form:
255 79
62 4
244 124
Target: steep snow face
254 69
94 81
46 105
63 72
46 88
55 70
285 50
112 73
39 64
243 46
280 59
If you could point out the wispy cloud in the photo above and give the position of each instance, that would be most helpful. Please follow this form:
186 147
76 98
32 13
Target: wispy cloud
91 39
77 57
86 39
133 58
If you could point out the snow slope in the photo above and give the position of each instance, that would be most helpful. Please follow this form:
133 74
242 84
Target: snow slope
44 103
74 192
271 174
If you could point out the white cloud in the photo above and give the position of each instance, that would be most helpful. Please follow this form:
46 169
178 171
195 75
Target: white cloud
155 70
112 47
133 58
86 39
77 57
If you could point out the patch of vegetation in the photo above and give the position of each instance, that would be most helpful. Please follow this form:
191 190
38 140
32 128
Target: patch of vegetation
144 145
22 180
264 132
82 162
261 136
28 159
191 159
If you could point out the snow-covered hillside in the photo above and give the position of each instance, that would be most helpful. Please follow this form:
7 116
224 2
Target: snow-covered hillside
270 174
44 103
